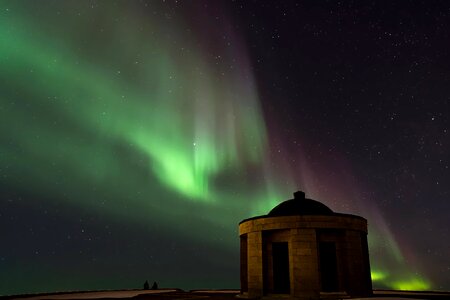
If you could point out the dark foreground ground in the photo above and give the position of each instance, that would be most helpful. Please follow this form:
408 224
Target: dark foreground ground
161 294
177 294
219 295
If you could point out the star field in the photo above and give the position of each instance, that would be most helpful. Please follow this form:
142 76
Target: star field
135 135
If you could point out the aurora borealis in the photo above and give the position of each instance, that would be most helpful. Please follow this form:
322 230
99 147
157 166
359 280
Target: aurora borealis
135 135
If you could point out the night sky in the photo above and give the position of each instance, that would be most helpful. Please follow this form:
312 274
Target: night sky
135 135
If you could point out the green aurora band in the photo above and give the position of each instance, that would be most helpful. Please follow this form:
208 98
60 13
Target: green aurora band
73 101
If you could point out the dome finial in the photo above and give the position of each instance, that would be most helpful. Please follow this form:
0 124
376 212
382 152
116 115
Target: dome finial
299 195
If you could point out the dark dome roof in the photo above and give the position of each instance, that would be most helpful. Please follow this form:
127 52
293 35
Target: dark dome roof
300 206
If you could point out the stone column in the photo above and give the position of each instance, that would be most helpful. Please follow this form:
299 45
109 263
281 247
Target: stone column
255 264
305 279
355 263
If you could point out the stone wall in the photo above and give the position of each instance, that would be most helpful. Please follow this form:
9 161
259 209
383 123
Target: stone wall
336 221
303 234
304 258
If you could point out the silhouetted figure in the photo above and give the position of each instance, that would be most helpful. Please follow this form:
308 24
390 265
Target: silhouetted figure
154 286
146 285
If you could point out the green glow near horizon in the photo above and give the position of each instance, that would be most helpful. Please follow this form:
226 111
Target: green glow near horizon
413 284
408 282
378 275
